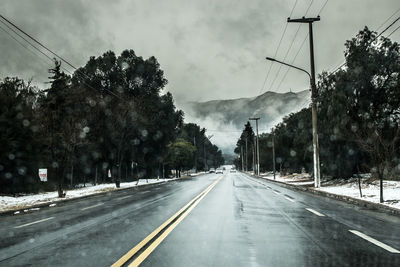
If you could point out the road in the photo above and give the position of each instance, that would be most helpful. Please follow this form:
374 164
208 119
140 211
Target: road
210 220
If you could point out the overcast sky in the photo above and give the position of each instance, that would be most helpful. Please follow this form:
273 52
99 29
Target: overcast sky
208 49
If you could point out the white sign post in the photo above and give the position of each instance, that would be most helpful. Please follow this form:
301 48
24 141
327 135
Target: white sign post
43 175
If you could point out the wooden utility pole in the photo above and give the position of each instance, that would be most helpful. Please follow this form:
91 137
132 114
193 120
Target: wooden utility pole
317 179
246 154
254 156
257 147
273 152
241 157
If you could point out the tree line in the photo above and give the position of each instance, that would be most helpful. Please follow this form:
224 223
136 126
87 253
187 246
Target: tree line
358 117
106 122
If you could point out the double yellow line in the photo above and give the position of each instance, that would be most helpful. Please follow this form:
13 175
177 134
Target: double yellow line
166 227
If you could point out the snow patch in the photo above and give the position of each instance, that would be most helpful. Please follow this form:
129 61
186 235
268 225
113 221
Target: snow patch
348 187
24 202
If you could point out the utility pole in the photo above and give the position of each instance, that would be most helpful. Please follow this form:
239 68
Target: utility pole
317 179
254 155
204 150
273 152
246 153
257 146
195 156
241 156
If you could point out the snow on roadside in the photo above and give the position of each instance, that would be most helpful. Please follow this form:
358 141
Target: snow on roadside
370 191
349 187
24 202
297 179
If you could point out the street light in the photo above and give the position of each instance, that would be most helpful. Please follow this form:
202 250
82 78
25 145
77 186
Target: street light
317 180
286 64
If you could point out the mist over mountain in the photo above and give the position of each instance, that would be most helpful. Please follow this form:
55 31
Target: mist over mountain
224 119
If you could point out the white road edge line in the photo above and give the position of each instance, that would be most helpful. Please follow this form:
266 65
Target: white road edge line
374 241
276 193
315 212
99 204
120 198
290 199
27 224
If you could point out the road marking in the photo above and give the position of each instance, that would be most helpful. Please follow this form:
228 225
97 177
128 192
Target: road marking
290 199
277 192
99 204
42 220
120 198
183 212
145 191
375 242
315 212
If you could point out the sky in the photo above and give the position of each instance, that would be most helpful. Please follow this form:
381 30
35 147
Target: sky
208 49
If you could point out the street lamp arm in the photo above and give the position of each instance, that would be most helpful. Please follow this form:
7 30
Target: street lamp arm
303 70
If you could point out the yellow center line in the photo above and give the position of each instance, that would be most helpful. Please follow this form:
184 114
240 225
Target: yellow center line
146 240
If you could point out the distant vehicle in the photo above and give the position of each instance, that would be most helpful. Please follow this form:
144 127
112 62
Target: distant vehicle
219 170
212 170
233 170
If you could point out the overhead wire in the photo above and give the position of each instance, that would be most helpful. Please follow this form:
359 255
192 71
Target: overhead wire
277 49
36 41
43 61
294 59
301 46
374 39
393 31
30 43
383 23
322 8
53 53
290 47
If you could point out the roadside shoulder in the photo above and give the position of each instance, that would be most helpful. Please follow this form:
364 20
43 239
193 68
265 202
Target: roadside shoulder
355 201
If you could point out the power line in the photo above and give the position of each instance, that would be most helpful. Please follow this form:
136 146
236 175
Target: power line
36 41
301 46
391 24
295 57
24 46
277 49
290 47
322 8
380 26
30 43
23 38
376 37
53 53
393 31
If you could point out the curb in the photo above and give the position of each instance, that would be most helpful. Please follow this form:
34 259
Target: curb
351 200
43 205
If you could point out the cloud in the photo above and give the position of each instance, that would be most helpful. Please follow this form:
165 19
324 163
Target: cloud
208 49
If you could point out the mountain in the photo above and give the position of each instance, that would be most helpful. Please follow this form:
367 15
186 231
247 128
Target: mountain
271 107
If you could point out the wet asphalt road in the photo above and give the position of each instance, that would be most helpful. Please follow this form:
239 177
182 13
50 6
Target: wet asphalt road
241 221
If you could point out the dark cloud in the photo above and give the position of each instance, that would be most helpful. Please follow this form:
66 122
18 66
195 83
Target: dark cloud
68 27
208 49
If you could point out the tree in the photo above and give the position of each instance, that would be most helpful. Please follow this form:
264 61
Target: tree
133 120
245 145
180 155
62 124
20 150
367 94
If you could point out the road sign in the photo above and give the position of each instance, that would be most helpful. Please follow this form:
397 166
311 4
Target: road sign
43 175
